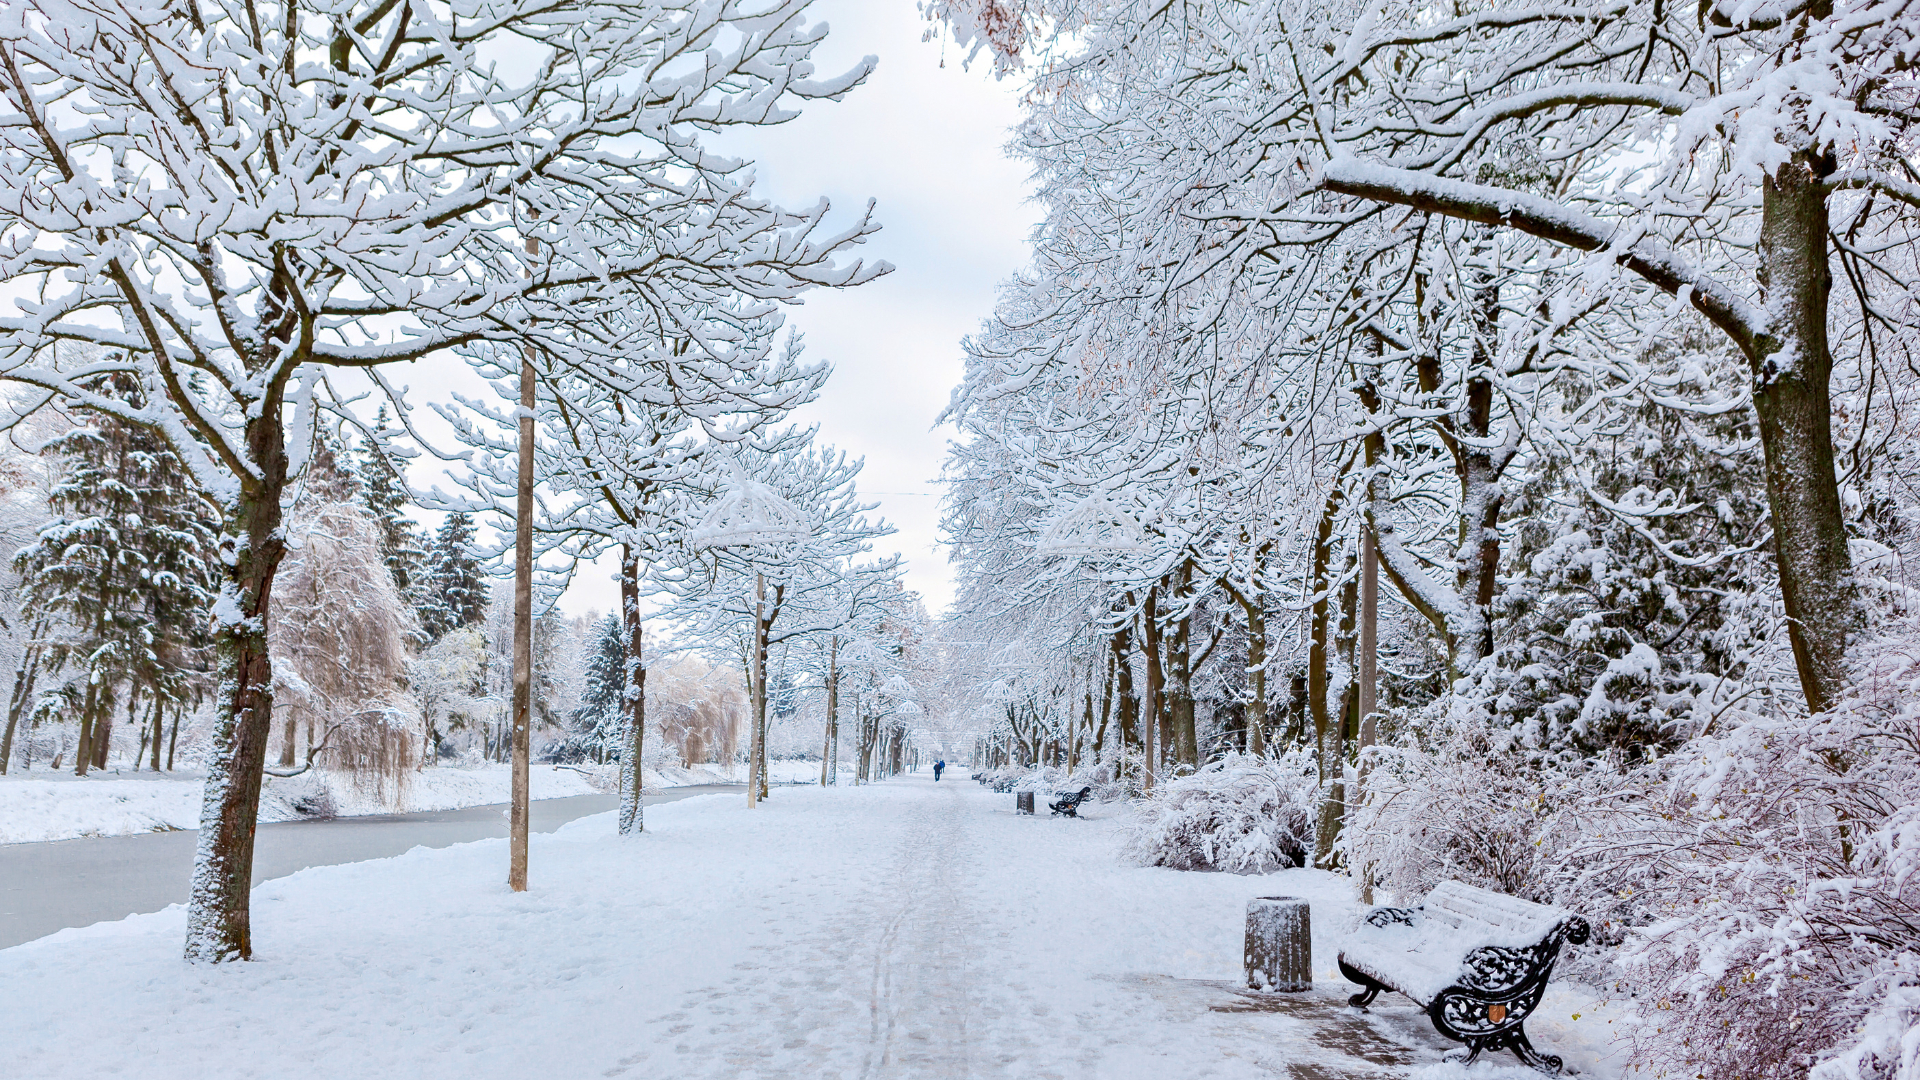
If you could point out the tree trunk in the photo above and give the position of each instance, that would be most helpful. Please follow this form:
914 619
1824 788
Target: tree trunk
522 640
23 681
1369 684
827 755
1106 706
633 765
1123 690
1793 402
218 918
1256 676
1369 658
1479 465
1317 650
157 713
173 733
83 753
756 749
103 730
1185 742
863 772
289 734
1150 640
1333 768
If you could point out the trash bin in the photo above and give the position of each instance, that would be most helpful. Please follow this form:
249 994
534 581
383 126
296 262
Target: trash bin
1279 950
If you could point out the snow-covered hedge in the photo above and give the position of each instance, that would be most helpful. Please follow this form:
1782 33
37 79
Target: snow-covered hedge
1241 814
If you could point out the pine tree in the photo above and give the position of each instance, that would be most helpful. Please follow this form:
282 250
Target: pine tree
595 726
456 591
128 566
386 494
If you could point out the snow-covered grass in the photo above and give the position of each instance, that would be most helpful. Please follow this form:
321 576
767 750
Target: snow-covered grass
50 805
900 929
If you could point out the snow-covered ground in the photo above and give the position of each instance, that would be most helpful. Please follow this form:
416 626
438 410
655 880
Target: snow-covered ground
48 805
903 929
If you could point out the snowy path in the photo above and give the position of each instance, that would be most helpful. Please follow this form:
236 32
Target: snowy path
898 930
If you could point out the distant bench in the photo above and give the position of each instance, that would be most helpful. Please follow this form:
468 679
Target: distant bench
1476 961
1069 804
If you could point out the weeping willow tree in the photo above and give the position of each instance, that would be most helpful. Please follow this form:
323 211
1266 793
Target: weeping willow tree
339 642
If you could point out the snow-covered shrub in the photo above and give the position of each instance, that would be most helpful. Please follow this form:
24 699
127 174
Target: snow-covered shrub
1242 814
1778 867
1002 778
1049 780
1471 809
308 795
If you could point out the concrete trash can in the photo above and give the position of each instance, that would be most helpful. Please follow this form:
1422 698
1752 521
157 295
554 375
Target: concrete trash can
1279 951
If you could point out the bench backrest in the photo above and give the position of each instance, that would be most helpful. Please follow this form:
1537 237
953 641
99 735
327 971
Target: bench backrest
1477 911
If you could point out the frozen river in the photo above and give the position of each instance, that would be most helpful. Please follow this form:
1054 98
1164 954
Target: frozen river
51 886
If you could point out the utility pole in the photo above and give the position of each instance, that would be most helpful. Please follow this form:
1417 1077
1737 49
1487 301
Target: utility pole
522 637
755 749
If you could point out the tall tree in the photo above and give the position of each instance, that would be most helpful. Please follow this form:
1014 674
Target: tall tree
385 492
126 571
455 590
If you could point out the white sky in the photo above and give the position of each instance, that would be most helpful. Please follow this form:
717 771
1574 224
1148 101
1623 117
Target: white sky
923 140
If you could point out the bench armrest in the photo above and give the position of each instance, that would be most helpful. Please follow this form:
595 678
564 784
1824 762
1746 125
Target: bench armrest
1384 917
1500 969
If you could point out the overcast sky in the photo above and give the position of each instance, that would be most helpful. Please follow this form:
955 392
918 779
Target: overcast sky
924 141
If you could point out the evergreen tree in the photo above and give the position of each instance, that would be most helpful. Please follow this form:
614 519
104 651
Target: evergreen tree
387 496
594 729
329 475
456 591
128 566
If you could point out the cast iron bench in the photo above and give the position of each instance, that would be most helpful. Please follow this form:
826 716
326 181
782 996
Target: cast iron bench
1070 801
1476 961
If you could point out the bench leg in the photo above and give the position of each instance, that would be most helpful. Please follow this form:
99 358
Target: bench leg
1522 1049
1365 997
1514 1040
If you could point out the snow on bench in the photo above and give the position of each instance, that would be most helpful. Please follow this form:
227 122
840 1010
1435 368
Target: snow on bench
1069 803
1476 961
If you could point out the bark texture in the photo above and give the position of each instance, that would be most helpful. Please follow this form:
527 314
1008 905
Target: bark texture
218 917
1792 400
633 764
522 641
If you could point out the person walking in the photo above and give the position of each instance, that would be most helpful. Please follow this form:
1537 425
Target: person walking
938 768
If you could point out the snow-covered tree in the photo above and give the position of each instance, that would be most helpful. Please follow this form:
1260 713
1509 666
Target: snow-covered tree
454 586
384 489
448 683
595 726
783 551
121 582
339 636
